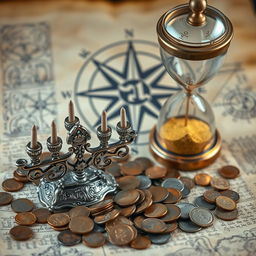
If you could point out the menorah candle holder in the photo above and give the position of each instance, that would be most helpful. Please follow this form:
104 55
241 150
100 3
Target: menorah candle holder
66 182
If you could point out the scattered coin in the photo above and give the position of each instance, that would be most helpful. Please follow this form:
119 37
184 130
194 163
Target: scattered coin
185 209
79 211
156 172
188 226
173 183
132 168
118 220
202 179
101 205
153 225
141 243
60 228
185 192
159 238
114 169
229 172
170 227
22 205
156 211
5 198
225 203
58 220
142 196
107 217
188 182
98 228
172 173
226 215
128 182
138 221
159 194
81 225
211 195
231 194
94 239
200 202
201 217
121 234
127 211
173 213
145 182
25 218
145 162
20 178
42 215
173 197
12 185
68 238
147 202
219 183
21 233
126 198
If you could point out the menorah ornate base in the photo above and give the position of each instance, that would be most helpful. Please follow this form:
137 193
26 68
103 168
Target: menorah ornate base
68 192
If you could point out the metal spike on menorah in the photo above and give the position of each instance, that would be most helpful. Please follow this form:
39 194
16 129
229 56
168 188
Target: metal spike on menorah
66 182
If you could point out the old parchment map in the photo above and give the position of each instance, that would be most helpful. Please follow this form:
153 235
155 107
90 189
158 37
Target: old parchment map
51 52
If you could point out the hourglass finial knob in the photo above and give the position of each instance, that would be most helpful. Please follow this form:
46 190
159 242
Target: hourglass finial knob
197 7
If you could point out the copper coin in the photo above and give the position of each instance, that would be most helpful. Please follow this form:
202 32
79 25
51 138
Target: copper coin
22 205
171 227
156 172
60 228
229 172
121 234
118 220
12 185
145 162
226 215
156 211
153 225
94 239
114 169
20 178
42 215
21 233
128 182
138 221
104 211
101 205
58 220
219 183
202 179
25 218
126 198
211 195
174 196
142 196
146 203
172 173
67 238
107 217
188 182
81 225
159 194
231 194
225 203
5 198
128 211
141 243
173 213
132 168
79 211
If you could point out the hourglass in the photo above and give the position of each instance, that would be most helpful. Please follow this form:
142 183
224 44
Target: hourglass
194 39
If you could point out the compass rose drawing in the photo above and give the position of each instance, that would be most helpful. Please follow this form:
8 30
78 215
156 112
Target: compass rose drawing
126 73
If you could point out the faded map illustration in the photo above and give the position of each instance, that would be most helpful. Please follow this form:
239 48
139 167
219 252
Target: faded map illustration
104 56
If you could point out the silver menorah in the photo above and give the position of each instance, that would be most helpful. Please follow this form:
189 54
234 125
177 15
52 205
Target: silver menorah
76 177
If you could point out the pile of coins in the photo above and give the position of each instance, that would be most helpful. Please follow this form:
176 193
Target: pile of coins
146 209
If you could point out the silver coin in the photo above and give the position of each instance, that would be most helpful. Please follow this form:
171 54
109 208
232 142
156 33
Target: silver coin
159 238
188 226
185 209
201 217
145 181
185 192
201 202
173 183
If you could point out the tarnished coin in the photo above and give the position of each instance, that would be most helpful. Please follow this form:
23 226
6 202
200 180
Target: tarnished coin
211 195
188 226
173 197
153 225
231 194
12 185
141 243
22 205
172 173
225 203
121 234
79 211
201 217
229 172
58 220
98 228
128 182
117 221
159 238
101 219
173 183
103 211
185 209
156 211
68 238
173 213
94 239
81 225
220 183
5 198
126 198
101 205
171 227
142 196
114 169
128 211
188 182
42 215
20 178
21 233
146 203
202 179
132 168
159 194
145 162
200 202
25 218
156 172
226 215
185 192
60 228
145 182
138 221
